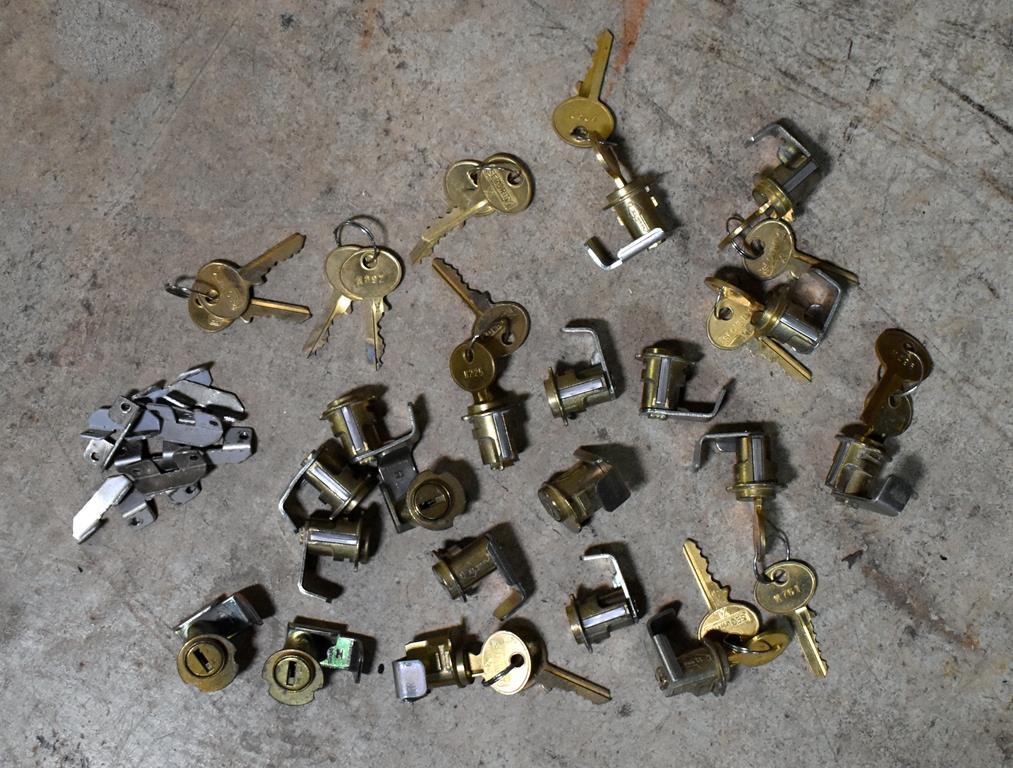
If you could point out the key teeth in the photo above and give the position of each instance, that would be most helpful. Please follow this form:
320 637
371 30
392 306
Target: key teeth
427 234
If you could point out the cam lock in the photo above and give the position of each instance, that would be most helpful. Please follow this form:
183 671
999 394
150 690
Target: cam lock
436 661
635 208
755 475
796 314
593 616
664 377
778 190
354 424
854 476
343 538
461 567
207 659
573 390
340 487
296 672
573 495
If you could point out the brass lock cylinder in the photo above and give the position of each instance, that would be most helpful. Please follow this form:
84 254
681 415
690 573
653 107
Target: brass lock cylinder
292 674
854 477
207 659
784 321
340 539
434 662
459 569
490 426
574 391
636 209
434 499
596 615
663 377
354 424
574 494
342 489
755 471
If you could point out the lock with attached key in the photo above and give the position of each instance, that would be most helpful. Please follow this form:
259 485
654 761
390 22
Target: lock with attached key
594 615
436 660
296 672
862 452
755 474
460 567
664 378
573 390
773 242
777 191
573 495
207 659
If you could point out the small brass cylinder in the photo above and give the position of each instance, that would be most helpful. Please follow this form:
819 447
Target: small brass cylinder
340 539
573 391
782 320
755 471
459 569
354 424
490 426
635 208
663 377
768 191
597 614
573 495
699 671
206 661
341 488
293 674
434 499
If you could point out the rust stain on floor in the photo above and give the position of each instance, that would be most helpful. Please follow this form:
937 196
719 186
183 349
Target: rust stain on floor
633 17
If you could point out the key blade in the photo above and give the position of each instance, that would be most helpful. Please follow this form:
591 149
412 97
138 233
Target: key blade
374 339
713 593
448 222
590 86
255 271
806 635
279 309
552 677
339 304
477 301
774 352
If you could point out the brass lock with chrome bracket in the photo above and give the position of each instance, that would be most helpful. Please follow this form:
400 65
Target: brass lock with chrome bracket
473 368
296 672
207 659
574 494
339 485
355 425
436 660
796 315
573 390
754 473
778 190
854 476
664 377
460 567
596 614
585 121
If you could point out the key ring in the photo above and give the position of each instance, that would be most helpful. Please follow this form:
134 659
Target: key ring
362 228
778 534
516 661
745 250
183 292
913 387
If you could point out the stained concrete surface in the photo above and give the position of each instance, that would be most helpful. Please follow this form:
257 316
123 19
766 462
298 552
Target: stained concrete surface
144 138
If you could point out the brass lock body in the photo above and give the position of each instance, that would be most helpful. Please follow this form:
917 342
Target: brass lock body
596 614
754 473
854 476
296 672
573 390
635 208
207 659
777 191
492 426
573 495
339 485
701 670
344 538
438 660
460 568
354 424
663 376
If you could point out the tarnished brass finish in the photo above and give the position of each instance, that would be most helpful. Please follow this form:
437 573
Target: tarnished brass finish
207 659
595 614
296 672
434 499
579 116
854 476
343 538
435 661
573 495
573 390
635 208
664 378
777 190
755 474
340 487
473 368
774 242
459 568
354 424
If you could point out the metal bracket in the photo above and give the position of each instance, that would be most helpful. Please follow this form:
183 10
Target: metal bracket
228 616
90 516
791 153
606 261
339 487
664 378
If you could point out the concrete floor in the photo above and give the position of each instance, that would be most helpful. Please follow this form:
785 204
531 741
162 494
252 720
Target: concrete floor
142 139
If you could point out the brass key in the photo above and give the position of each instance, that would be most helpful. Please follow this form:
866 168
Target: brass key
370 275
578 116
774 240
786 590
904 363
503 325
503 184
723 614
224 290
473 368
339 302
